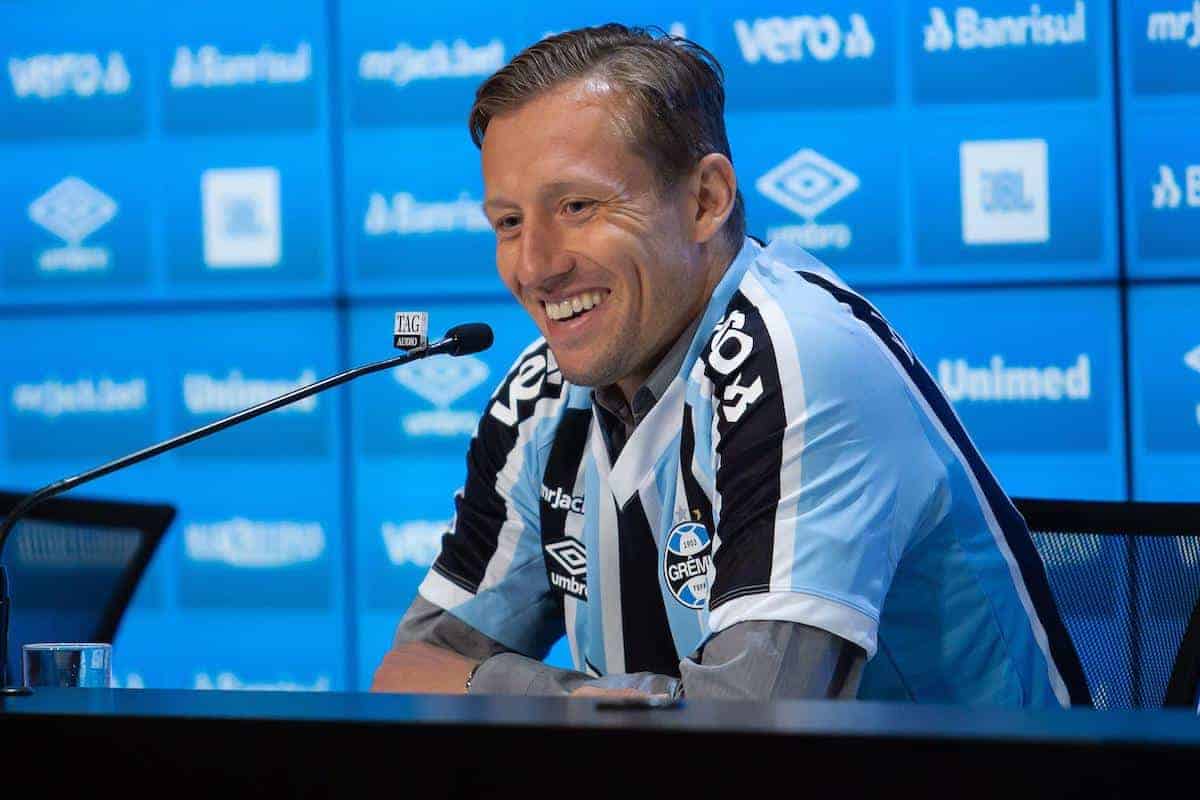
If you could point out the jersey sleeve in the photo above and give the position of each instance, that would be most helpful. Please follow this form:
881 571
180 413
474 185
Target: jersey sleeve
823 472
490 573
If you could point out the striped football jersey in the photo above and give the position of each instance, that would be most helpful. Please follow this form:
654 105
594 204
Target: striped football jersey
802 466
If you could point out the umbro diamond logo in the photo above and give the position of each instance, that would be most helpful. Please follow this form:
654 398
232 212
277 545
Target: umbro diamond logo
72 210
442 379
808 183
570 555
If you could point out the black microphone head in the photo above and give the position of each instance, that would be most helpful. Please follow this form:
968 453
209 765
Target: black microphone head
470 337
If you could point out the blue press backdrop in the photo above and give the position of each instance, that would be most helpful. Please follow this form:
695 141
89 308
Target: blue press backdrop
206 204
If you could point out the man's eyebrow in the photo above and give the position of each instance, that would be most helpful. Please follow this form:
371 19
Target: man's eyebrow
497 203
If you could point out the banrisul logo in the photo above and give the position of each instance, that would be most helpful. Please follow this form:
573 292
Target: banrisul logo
441 381
808 184
966 28
404 214
405 63
72 210
208 67
997 381
1173 189
416 542
49 76
687 563
1179 26
254 544
820 38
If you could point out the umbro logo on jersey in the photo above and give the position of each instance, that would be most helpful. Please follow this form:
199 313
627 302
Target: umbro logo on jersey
687 563
566 566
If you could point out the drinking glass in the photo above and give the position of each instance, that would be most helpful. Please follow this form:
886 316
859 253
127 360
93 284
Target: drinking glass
77 664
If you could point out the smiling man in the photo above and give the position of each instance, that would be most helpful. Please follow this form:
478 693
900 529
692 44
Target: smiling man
720 472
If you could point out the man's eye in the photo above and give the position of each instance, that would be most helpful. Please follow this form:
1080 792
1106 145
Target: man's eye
574 207
507 223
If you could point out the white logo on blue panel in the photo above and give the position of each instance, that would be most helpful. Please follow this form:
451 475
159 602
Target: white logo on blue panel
73 210
1005 191
48 76
1167 192
416 542
808 184
1192 359
241 218
229 681
441 380
208 394
404 215
53 398
687 563
241 542
972 30
208 67
998 382
779 40
1170 27
404 64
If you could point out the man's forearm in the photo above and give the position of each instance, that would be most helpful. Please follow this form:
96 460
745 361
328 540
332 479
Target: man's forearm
420 667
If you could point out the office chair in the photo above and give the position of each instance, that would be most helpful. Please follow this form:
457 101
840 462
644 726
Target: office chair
1126 577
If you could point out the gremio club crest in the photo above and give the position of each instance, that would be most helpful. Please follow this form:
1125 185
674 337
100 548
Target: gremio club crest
687 563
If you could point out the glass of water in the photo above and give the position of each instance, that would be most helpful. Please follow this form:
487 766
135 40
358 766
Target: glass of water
77 664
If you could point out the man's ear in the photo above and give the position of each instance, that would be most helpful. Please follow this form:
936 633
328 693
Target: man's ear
714 190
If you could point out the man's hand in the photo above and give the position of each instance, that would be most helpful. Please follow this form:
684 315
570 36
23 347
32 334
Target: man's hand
417 667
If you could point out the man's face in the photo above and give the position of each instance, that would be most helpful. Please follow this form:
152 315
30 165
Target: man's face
600 256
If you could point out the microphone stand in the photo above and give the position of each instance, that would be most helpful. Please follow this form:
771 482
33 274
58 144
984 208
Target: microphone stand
459 340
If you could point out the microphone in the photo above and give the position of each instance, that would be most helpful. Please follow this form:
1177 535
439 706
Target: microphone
461 340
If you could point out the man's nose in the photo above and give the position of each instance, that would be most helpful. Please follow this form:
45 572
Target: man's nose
545 265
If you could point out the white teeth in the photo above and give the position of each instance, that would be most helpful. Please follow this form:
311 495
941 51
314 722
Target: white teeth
573 305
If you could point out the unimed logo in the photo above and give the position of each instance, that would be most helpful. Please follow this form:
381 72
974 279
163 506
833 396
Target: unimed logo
1180 26
241 542
998 382
404 63
226 680
207 67
204 393
780 40
972 30
402 214
53 398
48 76
416 542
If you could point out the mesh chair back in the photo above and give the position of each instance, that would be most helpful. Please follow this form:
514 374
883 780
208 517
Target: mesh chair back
1126 577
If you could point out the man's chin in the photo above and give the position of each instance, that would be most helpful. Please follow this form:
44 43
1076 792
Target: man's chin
591 375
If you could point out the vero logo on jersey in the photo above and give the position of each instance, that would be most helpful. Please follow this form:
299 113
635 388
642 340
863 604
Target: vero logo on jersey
730 348
441 380
1167 193
780 40
687 563
1005 191
808 184
975 31
525 385
73 210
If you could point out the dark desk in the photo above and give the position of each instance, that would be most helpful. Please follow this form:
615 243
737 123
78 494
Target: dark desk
255 743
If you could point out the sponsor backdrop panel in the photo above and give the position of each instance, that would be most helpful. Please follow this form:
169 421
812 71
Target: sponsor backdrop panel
1160 49
413 214
75 224
230 66
1164 355
995 51
1035 375
74 70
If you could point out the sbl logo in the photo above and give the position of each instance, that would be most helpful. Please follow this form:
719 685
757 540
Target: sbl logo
1005 191
73 210
240 209
808 184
